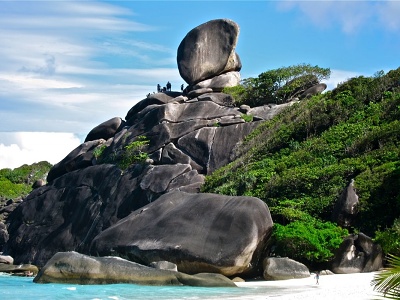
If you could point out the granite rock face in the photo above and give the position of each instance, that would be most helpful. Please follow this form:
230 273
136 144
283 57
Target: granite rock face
197 232
209 50
282 268
76 268
188 135
357 254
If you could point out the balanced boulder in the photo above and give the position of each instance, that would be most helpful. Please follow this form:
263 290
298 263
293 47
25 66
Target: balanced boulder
197 232
208 50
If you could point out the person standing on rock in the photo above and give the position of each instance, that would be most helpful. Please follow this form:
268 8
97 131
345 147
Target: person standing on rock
158 88
168 86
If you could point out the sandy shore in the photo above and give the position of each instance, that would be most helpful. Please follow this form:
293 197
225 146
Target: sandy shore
330 287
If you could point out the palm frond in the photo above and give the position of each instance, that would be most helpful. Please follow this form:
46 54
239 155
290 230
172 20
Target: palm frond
388 281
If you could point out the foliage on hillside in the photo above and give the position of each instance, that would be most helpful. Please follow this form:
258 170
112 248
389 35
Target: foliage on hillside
18 182
301 161
277 86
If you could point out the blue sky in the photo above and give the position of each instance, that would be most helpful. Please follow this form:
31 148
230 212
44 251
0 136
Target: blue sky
67 66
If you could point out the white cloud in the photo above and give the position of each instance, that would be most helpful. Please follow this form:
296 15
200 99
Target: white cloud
18 148
339 76
351 16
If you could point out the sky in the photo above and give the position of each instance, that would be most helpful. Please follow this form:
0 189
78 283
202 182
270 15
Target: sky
67 66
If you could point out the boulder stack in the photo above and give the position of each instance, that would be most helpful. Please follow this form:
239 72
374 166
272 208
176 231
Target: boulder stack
206 56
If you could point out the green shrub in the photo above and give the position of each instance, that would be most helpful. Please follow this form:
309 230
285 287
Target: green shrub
307 240
133 153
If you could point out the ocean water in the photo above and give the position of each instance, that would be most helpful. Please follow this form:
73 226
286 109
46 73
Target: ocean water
21 288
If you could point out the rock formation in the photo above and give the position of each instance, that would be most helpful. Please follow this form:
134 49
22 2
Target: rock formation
357 254
282 268
132 188
197 232
76 268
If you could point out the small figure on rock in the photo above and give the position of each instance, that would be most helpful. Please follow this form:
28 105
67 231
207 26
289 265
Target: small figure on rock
158 88
182 87
168 86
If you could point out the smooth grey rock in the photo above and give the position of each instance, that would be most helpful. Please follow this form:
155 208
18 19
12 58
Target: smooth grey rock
218 83
267 112
157 178
219 98
6 259
201 147
38 183
346 207
189 182
164 265
357 254
245 108
80 157
105 130
153 99
314 90
75 268
282 268
198 92
198 232
208 50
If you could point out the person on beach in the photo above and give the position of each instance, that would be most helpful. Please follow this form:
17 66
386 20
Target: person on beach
316 277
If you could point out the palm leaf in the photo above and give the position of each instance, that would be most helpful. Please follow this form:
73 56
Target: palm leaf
388 281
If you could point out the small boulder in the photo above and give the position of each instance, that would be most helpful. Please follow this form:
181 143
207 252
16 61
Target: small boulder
314 90
105 130
6 259
282 268
218 83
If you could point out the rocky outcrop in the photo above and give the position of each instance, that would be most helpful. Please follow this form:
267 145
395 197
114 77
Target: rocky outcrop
197 232
105 130
314 90
282 268
346 207
179 138
19 270
357 254
75 268
209 50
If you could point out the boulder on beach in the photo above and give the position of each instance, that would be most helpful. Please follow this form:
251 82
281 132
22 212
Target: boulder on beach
76 268
197 232
282 268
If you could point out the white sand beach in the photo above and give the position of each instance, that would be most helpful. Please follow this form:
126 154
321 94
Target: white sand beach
338 286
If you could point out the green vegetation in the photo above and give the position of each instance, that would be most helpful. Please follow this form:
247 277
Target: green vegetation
388 281
300 162
132 153
277 86
18 182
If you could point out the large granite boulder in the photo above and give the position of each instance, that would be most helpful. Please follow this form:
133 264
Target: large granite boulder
105 130
282 268
79 158
346 207
69 213
197 232
76 268
208 50
357 254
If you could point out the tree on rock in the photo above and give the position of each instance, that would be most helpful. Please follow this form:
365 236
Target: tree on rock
279 85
